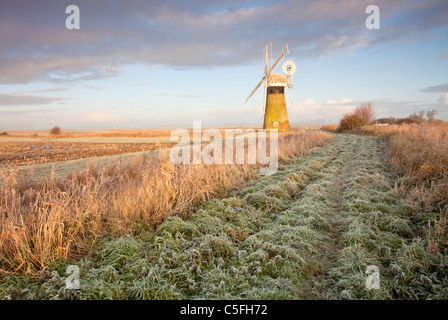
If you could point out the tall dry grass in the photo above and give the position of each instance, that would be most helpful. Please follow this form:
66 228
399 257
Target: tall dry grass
60 219
419 152
330 127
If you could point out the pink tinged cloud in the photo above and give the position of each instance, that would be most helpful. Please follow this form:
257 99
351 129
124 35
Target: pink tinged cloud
101 117
10 100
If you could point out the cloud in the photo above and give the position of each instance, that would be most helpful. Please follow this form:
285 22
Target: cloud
439 88
162 94
56 89
43 118
309 111
26 100
37 46
95 87
341 101
92 74
101 117
443 100
443 56
35 113
243 116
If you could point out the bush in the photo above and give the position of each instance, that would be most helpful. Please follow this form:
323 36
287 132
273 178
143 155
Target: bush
4 133
418 117
55 131
390 120
366 112
361 116
330 127
431 115
351 121
406 121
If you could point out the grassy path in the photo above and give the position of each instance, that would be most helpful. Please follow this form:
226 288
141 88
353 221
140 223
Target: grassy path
308 232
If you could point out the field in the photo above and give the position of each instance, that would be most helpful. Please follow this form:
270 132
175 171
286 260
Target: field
38 154
24 148
20 153
148 229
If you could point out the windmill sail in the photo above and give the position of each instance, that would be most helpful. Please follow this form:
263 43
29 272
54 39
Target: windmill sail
258 86
268 70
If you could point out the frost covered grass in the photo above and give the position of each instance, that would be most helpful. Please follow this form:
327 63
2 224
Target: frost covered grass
375 229
308 232
420 159
419 154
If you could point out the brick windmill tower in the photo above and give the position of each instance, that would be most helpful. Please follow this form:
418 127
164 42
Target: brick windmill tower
275 111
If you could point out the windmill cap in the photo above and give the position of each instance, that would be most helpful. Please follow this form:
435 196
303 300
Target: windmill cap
276 80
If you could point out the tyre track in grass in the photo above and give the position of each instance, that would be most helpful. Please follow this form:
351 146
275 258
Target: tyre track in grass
308 232
372 225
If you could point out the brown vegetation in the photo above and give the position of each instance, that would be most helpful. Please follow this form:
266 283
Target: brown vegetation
361 116
330 127
365 115
417 117
19 153
351 121
55 131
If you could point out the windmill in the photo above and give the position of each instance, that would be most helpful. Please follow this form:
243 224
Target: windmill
275 112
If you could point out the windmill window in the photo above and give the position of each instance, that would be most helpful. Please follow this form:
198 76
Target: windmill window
272 90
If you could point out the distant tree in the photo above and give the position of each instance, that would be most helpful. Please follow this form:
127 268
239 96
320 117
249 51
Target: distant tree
4 133
366 112
407 120
431 115
418 116
390 120
55 131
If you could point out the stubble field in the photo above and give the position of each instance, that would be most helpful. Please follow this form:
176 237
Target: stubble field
23 153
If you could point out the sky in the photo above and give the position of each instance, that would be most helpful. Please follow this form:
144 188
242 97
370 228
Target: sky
153 64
